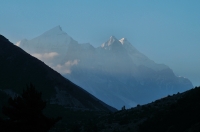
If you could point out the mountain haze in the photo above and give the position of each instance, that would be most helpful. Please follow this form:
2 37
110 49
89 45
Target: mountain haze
116 72
18 69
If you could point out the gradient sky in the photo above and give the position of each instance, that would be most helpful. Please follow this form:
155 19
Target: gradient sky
166 31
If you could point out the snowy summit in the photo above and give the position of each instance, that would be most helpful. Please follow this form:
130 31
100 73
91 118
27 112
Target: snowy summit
116 73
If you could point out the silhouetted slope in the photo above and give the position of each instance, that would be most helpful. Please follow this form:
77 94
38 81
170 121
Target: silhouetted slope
18 68
181 116
175 113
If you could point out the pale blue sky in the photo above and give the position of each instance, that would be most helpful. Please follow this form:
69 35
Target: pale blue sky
167 31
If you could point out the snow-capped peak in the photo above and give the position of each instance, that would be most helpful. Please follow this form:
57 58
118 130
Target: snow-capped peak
111 42
127 45
112 39
55 39
124 41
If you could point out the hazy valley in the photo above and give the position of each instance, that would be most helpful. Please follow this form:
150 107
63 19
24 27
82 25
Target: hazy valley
81 111
116 72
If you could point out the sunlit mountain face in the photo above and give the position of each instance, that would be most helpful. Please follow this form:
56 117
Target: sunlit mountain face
116 72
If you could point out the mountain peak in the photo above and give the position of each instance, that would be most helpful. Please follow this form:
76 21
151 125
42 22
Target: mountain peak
111 42
112 38
123 41
55 38
55 30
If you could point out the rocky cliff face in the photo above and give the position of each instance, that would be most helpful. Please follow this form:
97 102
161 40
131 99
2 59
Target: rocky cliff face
116 72
18 69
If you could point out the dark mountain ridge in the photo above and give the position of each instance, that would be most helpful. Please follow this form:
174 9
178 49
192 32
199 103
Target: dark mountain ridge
18 69
174 113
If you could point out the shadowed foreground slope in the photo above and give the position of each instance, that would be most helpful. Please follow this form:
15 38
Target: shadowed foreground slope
25 113
18 68
175 113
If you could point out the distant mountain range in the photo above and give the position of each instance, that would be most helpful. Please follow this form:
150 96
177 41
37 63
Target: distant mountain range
116 72
18 69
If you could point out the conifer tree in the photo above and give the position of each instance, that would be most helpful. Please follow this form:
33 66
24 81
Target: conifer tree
25 112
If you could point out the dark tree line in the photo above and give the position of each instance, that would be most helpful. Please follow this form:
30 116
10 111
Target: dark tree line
25 113
183 116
